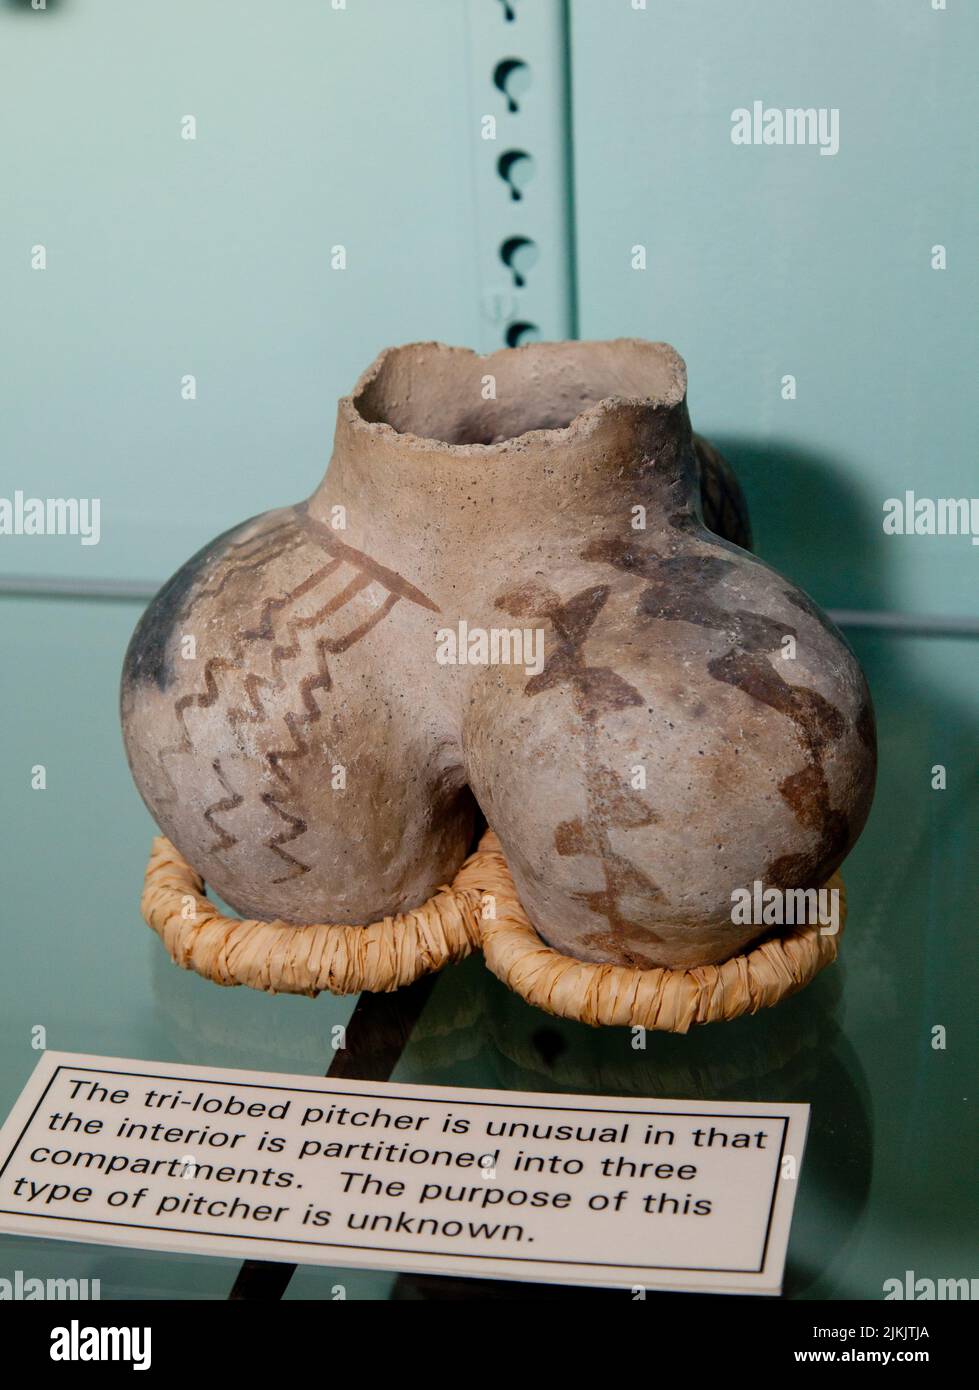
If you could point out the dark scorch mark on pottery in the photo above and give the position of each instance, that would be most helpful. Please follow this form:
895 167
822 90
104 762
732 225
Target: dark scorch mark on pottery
148 657
804 603
676 592
817 720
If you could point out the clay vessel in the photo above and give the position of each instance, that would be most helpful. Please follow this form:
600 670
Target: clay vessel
678 720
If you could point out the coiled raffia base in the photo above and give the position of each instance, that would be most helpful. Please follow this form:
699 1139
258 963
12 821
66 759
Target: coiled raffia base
283 958
662 999
480 907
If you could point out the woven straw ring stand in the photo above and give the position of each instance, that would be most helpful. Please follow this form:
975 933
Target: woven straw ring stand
480 908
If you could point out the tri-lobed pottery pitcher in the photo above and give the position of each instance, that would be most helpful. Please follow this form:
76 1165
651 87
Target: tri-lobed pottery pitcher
521 589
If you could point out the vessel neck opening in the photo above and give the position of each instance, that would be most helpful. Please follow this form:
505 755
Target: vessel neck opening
456 398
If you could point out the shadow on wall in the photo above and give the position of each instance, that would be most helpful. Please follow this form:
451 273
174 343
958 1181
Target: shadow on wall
810 521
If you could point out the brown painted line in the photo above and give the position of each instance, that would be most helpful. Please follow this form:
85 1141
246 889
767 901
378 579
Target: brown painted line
263 630
283 653
255 560
337 645
376 1036
299 827
229 802
333 605
330 542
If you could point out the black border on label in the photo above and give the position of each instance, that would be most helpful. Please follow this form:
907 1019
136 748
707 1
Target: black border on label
397 1249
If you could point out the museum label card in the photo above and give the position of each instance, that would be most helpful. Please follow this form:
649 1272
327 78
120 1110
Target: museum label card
632 1193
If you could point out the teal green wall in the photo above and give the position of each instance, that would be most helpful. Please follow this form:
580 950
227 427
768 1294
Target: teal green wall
363 126
768 261
315 127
